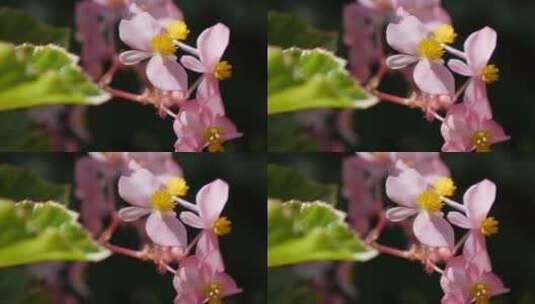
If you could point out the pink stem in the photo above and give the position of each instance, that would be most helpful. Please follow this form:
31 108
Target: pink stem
392 251
125 251
124 95
391 98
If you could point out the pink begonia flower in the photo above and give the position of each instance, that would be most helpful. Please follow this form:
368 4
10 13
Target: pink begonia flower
429 12
464 130
161 164
211 45
95 49
196 282
478 49
417 197
211 200
418 45
150 40
197 128
464 281
428 164
164 11
149 196
478 200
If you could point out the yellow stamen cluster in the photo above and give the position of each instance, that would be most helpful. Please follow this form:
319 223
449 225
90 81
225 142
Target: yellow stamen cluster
490 73
444 33
223 70
444 186
213 292
178 30
214 137
162 44
222 226
489 226
480 291
430 201
162 201
177 186
481 140
430 48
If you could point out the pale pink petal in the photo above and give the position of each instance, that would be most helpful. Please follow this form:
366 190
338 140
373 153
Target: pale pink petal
496 284
434 78
457 130
229 286
209 95
405 35
229 129
130 214
211 200
208 249
433 230
400 61
459 67
405 188
479 48
165 229
497 132
138 32
133 57
478 200
192 219
475 250
460 220
212 44
138 187
398 214
166 74
192 63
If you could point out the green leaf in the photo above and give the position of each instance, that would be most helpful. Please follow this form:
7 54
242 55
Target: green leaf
38 75
305 232
286 31
19 133
21 184
287 184
308 79
35 232
18 27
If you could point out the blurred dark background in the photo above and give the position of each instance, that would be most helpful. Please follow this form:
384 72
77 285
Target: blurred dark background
122 279
125 126
388 127
388 279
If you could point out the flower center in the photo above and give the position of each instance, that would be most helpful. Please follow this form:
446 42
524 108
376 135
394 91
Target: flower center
162 201
178 30
214 137
177 186
223 70
430 48
481 140
444 186
162 44
430 201
212 292
489 226
490 73
444 33
480 291
222 226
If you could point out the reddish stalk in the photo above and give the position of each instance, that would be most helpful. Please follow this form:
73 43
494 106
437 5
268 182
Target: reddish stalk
141 255
391 98
125 95
392 251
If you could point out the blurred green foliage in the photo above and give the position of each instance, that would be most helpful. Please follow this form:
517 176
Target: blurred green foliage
388 279
389 127
122 125
121 279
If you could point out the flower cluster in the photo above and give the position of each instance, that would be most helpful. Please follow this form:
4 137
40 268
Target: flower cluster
154 186
155 31
421 186
422 34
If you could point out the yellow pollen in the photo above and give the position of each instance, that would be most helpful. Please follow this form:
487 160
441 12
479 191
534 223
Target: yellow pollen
223 70
444 186
430 49
481 140
480 291
214 137
177 30
213 292
162 44
430 201
444 33
162 200
489 226
490 73
222 226
177 186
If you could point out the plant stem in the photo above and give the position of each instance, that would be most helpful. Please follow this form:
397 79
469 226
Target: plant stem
184 203
141 255
454 51
391 98
392 251
125 95
453 204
